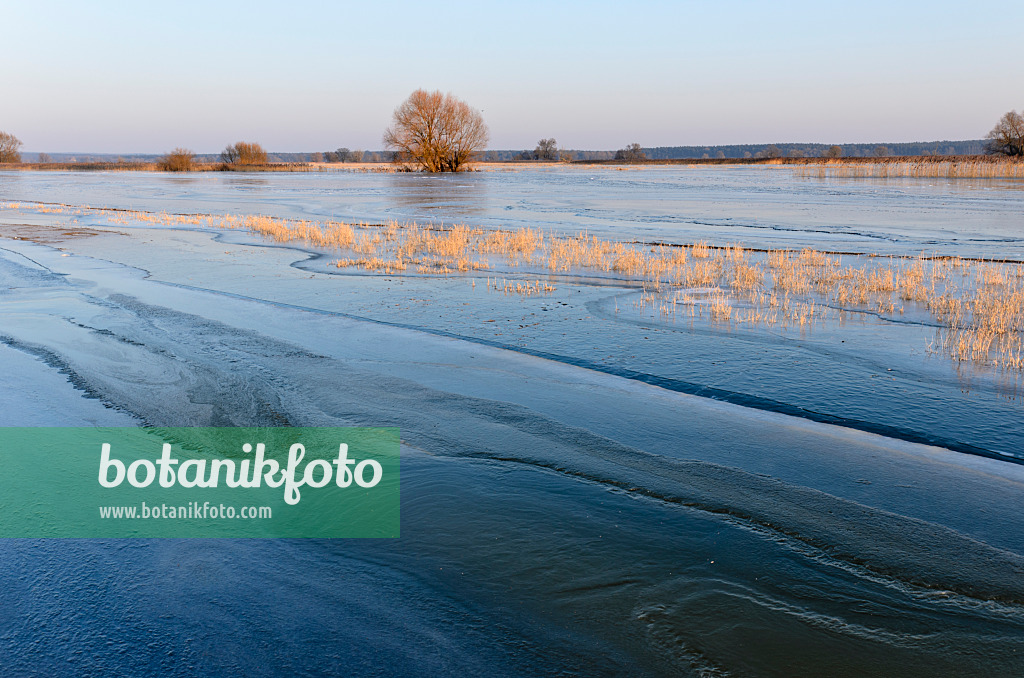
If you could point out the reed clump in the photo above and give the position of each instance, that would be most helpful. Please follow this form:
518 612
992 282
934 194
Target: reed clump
375 264
520 244
522 288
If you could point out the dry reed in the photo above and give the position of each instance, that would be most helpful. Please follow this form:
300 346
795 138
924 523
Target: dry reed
975 167
977 306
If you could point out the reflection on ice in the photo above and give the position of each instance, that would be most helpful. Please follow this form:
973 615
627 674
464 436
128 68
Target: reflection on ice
433 196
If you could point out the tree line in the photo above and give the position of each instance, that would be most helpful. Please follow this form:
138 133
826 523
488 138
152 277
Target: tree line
437 132
799 150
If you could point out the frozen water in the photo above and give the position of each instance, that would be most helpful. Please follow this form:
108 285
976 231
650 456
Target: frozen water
573 499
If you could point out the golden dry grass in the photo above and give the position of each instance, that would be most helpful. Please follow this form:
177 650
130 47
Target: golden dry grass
977 306
979 167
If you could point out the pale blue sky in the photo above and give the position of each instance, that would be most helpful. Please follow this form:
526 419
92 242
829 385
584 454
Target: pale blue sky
125 77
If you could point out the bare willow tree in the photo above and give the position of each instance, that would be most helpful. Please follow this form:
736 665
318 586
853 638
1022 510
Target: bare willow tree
547 149
244 153
436 131
9 148
1007 137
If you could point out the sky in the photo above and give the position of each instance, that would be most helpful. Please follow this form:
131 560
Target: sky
132 77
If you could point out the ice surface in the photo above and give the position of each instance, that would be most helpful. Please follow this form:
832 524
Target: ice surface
556 516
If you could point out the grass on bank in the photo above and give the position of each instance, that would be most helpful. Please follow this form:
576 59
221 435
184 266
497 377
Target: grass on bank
968 167
948 167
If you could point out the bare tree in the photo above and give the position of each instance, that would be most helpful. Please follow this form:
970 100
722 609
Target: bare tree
436 131
244 153
881 151
1007 137
547 149
631 153
9 148
44 158
772 151
833 152
178 160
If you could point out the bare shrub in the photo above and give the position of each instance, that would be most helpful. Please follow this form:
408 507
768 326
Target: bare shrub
244 153
178 160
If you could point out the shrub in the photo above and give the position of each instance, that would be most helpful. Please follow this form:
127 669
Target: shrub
178 160
244 153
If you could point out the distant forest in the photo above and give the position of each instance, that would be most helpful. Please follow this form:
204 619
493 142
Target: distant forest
817 150
975 147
